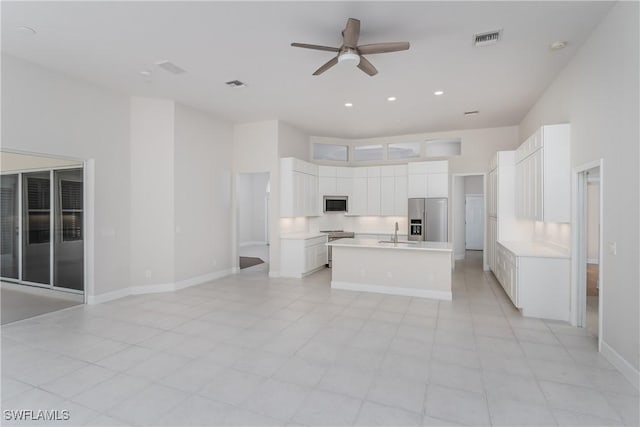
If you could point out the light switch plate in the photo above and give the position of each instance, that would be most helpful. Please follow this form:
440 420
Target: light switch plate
613 250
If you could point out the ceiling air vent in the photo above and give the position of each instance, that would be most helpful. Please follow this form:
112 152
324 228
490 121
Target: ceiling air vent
471 113
170 67
485 39
235 83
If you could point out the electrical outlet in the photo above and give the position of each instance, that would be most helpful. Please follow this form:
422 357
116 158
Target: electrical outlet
147 274
362 272
613 248
389 274
215 262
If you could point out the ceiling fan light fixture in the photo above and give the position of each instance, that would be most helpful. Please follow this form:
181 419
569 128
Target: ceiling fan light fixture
349 56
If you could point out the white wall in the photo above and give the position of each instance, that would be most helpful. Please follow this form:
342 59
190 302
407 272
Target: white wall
473 184
152 191
203 148
593 222
251 193
598 94
45 112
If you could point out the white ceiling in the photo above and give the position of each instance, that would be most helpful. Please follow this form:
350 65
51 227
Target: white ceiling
110 42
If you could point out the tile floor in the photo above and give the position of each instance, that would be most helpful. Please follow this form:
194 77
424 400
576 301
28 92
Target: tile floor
248 350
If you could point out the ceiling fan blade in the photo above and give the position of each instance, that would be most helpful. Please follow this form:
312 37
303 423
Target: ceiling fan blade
326 66
316 47
351 33
367 66
368 49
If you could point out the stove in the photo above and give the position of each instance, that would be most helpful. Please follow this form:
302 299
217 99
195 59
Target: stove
335 235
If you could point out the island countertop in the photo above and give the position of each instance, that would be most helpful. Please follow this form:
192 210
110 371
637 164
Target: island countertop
376 244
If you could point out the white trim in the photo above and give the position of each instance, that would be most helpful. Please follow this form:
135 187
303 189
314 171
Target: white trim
89 228
160 287
626 369
274 273
252 243
452 177
593 261
459 257
391 290
578 247
108 296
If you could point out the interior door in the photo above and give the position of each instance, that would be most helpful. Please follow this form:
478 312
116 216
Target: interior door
9 223
474 222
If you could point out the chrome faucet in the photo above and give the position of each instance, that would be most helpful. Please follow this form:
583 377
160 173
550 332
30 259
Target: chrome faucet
395 234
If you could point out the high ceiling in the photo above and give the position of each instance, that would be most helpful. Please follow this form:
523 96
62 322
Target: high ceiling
109 43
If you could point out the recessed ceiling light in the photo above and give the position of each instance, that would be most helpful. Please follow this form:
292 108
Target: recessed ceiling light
471 113
391 98
26 31
145 73
557 45
348 104
438 93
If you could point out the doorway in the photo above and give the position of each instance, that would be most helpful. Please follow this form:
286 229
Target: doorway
42 227
253 191
468 214
588 264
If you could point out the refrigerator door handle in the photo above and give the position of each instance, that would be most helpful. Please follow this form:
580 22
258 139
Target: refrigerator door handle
424 225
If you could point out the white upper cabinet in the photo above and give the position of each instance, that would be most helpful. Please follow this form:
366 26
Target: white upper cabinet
298 188
543 175
358 200
428 179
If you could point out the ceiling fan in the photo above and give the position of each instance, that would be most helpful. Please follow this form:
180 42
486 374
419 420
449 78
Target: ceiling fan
350 51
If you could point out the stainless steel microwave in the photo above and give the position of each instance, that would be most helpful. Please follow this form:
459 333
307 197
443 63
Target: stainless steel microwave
336 203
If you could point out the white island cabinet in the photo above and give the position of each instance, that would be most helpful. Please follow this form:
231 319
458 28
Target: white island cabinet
302 254
416 269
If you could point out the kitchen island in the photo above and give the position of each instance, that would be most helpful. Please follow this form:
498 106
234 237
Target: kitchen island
416 269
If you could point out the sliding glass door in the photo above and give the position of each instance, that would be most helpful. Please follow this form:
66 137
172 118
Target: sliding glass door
68 248
42 228
36 224
9 226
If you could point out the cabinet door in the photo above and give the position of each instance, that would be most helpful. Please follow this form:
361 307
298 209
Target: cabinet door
417 185
373 196
400 196
387 196
536 172
344 186
298 193
327 186
310 256
438 185
358 201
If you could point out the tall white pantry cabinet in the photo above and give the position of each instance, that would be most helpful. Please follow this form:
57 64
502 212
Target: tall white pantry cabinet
531 184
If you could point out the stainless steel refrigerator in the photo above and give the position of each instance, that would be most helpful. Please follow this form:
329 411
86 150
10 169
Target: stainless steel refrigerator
428 219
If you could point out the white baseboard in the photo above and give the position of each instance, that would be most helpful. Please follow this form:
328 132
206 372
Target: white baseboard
274 273
459 257
108 296
158 288
391 290
593 261
629 372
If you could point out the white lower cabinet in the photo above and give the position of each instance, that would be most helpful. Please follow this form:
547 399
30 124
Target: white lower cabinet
302 256
539 285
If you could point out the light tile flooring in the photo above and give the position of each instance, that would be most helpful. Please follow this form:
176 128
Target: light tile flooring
248 350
